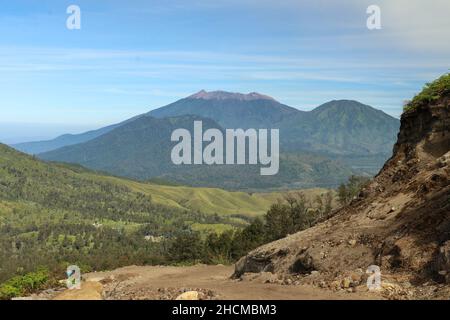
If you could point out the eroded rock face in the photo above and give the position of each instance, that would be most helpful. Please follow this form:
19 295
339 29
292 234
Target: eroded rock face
399 222
304 264
257 263
426 129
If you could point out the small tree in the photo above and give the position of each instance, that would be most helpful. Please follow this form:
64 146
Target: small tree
248 239
188 246
346 192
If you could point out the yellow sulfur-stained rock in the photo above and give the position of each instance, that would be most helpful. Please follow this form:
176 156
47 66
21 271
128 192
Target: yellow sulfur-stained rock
190 295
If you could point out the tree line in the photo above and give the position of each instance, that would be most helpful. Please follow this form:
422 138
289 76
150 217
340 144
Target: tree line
289 215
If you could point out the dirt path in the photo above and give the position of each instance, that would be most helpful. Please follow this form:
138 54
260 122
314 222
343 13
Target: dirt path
162 282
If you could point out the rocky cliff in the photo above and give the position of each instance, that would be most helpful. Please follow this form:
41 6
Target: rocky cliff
399 222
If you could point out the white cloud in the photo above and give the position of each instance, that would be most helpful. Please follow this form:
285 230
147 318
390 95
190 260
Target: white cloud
422 25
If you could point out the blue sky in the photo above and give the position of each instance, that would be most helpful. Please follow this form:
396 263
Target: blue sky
133 56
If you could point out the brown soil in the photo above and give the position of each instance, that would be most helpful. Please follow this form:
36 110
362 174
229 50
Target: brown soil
213 282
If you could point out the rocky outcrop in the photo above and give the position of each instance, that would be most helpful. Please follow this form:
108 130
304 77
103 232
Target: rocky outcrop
400 221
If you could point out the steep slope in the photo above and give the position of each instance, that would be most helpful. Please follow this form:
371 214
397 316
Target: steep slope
230 110
400 221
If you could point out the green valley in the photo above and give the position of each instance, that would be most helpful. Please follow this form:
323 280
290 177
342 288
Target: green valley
53 215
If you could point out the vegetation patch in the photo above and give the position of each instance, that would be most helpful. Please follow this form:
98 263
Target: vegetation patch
432 92
22 285
293 213
217 228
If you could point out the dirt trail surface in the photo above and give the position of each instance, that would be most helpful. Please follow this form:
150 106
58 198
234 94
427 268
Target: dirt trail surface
212 282
91 290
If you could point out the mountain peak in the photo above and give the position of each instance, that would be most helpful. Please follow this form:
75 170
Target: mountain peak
224 95
344 103
345 106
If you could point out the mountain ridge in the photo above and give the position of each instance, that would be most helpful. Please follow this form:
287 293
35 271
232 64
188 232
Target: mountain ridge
311 142
128 151
258 111
36 147
342 127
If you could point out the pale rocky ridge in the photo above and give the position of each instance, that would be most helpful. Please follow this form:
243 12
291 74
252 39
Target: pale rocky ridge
224 95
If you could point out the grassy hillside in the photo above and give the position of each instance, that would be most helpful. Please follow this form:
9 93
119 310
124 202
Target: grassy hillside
209 200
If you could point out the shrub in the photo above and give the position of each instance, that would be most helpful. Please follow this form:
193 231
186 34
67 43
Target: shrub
8 291
187 247
21 285
431 92
348 191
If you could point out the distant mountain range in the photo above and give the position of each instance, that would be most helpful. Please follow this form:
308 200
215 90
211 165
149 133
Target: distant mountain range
37 147
318 148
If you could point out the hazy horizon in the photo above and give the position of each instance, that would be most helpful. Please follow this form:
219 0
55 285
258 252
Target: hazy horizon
132 57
